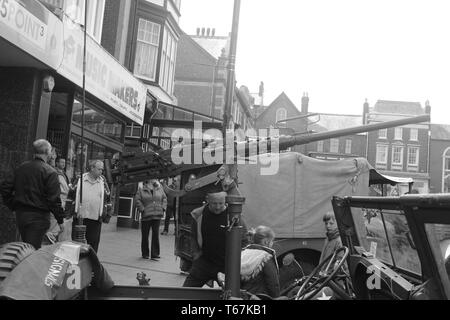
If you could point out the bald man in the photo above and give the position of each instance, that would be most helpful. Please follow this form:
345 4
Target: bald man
33 192
209 240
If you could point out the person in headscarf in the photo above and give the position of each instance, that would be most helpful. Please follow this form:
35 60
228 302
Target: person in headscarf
259 267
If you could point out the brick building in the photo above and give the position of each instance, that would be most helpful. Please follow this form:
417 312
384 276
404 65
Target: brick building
201 78
339 147
401 151
440 159
280 109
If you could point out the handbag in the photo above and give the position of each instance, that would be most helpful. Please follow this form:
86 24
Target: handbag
107 213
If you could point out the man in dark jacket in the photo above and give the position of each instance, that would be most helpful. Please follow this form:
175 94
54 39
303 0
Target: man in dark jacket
209 239
33 192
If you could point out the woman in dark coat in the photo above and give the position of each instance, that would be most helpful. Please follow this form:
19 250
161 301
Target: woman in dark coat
259 268
152 203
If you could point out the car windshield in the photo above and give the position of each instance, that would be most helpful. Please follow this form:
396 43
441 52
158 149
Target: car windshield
385 234
440 234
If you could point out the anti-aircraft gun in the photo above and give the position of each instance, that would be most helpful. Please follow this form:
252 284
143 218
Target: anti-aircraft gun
137 167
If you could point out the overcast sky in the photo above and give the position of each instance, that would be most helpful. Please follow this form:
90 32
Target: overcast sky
340 52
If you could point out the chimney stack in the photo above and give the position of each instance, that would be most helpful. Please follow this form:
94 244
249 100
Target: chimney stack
213 32
198 31
365 112
203 32
305 104
427 107
208 32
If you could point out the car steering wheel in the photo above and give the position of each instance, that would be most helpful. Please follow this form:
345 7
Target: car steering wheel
308 288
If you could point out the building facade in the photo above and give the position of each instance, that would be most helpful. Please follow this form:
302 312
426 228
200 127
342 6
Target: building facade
201 78
401 151
440 159
143 36
41 74
282 108
339 147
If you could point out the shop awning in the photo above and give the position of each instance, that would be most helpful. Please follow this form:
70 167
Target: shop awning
378 178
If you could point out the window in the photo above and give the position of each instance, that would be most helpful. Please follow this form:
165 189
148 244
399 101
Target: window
382 134
133 131
413 156
96 10
319 146
446 173
169 53
97 121
348 146
281 115
147 50
414 135
382 154
397 155
334 145
398 134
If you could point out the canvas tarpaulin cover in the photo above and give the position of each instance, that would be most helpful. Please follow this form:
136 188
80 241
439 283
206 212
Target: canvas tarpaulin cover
293 201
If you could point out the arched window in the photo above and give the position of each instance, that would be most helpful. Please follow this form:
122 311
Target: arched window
281 115
446 171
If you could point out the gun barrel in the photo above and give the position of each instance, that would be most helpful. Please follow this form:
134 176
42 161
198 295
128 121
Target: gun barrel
287 142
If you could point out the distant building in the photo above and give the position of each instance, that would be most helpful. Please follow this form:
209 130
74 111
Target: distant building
440 159
282 108
401 151
339 147
201 78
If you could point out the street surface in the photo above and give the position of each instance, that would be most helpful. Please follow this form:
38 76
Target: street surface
120 253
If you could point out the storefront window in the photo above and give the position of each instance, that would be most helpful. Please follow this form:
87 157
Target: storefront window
97 122
92 151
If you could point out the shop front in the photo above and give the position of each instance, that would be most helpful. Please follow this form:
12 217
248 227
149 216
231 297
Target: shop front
41 76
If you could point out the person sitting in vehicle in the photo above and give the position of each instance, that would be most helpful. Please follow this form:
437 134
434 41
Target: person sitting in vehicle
259 268
333 240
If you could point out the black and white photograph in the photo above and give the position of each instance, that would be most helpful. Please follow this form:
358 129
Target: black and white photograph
223 157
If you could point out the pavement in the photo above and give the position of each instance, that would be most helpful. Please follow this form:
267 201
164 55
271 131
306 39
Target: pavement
120 254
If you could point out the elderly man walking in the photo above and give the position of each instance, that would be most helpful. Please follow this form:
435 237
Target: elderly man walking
33 192
91 208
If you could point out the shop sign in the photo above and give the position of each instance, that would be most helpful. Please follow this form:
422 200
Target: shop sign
31 27
106 78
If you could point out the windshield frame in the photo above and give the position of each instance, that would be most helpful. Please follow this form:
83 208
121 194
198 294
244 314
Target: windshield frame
419 211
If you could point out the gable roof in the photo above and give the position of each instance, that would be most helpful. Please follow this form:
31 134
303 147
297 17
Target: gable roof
213 45
329 122
282 99
440 131
399 107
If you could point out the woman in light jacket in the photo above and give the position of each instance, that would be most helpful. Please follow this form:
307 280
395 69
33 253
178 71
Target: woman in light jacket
151 201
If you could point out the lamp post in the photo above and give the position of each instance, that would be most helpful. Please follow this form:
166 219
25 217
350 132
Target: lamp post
80 228
234 199
231 68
